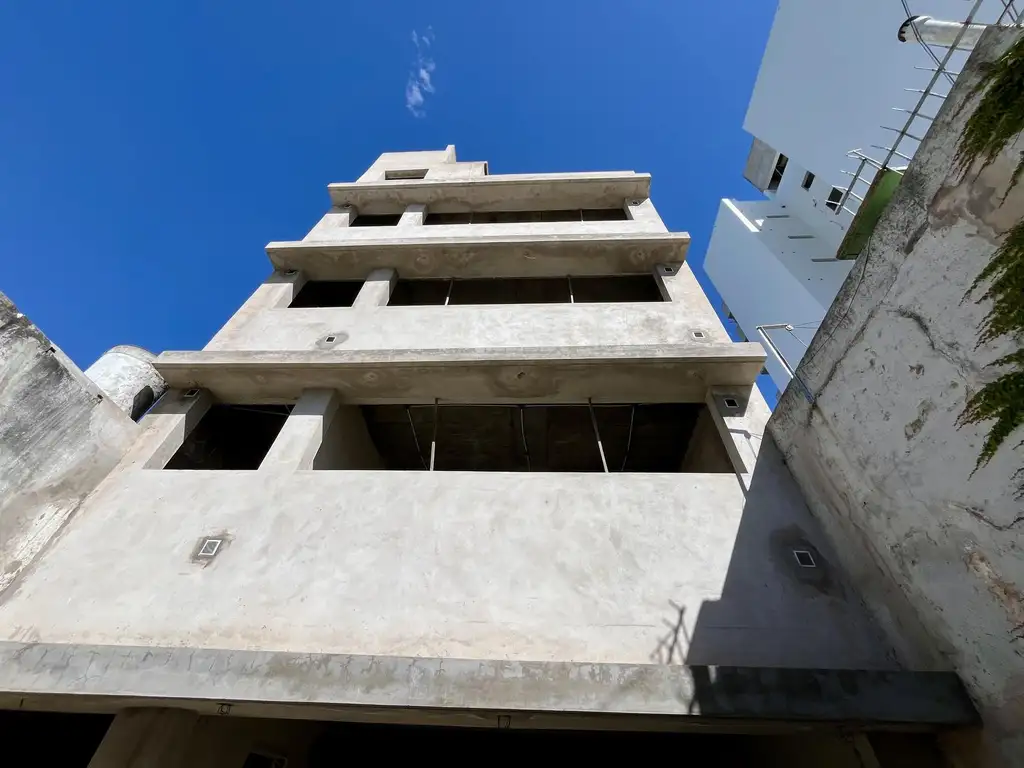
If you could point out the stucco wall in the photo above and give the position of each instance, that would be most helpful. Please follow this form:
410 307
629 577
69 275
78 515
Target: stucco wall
935 549
542 567
59 437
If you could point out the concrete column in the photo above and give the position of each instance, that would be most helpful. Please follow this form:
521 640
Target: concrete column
167 425
741 415
335 219
644 213
413 216
146 738
303 433
376 291
276 292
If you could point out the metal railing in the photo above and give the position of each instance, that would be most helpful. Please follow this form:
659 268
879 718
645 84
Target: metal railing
1009 12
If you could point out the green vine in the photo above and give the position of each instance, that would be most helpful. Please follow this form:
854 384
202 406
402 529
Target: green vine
997 121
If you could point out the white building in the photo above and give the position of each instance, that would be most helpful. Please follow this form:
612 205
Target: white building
835 79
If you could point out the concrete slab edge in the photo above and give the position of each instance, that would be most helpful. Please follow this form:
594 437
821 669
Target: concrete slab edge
863 697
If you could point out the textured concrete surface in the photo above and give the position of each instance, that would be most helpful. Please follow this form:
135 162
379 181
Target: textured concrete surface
620 374
506 192
286 683
476 565
935 549
477 250
59 437
536 581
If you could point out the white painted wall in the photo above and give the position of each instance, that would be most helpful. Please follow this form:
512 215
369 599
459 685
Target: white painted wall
766 277
830 77
832 72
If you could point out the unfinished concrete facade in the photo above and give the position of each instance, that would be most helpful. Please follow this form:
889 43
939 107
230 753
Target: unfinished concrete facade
478 452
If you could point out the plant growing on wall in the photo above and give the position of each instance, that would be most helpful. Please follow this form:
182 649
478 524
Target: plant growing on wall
998 120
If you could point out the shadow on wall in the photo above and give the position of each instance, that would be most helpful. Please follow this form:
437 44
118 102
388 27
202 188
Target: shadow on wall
783 603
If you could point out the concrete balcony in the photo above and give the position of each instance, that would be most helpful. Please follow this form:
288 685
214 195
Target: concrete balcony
509 192
608 374
499 250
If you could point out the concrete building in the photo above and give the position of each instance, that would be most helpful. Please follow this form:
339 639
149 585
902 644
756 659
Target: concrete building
835 86
477 453
934 544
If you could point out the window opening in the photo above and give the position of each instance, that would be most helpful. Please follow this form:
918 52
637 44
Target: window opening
808 180
327 293
526 290
525 217
834 198
231 437
780 168
411 173
376 220
587 437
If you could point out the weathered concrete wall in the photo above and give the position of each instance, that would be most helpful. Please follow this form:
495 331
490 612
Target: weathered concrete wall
59 437
936 551
479 565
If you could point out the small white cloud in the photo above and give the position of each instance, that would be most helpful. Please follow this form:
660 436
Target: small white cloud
420 79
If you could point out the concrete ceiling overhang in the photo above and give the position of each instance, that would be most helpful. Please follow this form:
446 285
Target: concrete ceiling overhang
609 374
458 251
509 192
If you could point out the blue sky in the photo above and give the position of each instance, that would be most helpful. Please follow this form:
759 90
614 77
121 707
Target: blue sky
151 150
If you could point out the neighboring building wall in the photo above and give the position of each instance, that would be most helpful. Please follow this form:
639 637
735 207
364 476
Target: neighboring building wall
765 270
832 73
59 437
829 80
935 549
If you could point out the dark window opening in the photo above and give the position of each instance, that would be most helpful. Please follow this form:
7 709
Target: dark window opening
412 173
376 220
142 402
834 198
808 180
516 217
526 290
327 293
675 437
231 437
780 168
64 739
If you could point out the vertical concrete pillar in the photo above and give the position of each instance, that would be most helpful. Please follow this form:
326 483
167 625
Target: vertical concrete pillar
339 217
276 292
376 291
303 433
644 213
146 738
413 216
167 426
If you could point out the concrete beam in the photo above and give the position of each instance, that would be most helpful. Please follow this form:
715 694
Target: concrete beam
376 290
464 251
608 374
303 432
429 689
509 192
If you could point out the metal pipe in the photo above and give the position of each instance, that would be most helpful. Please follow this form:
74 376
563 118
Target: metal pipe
415 439
572 298
433 439
762 331
526 447
597 434
919 114
949 34
448 296
629 438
